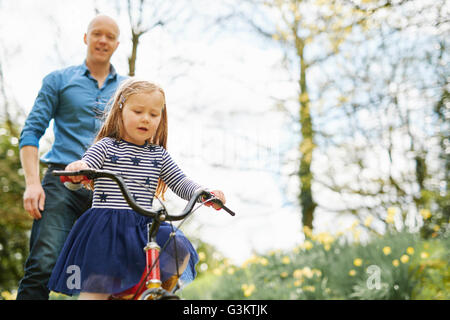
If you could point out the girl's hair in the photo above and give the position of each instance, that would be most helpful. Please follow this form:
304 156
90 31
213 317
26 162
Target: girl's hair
113 125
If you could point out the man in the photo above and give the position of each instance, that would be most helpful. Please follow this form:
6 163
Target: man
74 98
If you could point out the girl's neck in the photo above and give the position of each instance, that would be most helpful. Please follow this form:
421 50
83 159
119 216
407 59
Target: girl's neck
134 144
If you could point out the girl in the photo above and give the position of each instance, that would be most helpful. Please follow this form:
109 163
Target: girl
106 243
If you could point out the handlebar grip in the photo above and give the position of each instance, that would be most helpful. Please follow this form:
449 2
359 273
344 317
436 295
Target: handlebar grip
67 180
228 210
220 203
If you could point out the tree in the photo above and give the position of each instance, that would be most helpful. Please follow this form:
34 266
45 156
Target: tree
390 77
351 59
309 32
144 16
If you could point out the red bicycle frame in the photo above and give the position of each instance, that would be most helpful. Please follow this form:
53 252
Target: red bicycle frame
151 277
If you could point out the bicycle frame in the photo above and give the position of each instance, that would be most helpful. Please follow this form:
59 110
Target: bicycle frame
151 277
150 285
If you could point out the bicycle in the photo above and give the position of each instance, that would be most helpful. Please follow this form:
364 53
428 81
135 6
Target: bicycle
150 285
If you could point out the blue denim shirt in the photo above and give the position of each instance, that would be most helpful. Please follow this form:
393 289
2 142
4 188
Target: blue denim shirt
72 98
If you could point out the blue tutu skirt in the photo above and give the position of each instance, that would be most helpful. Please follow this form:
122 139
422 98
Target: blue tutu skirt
104 253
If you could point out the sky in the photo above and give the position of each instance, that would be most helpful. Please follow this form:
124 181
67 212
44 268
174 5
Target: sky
223 130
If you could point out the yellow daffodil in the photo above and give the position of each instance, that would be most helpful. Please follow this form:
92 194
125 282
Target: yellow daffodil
298 282
391 214
309 288
354 224
225 262
395 263
410 250
356 234
368 221
325 238
253 259
352 273
424 255
307 245
217 271
425 213
248 289
307 272
230 270
392 211
298 273
307 231
285 260
404 258
201 256
284 274
357 262
387 250
263 261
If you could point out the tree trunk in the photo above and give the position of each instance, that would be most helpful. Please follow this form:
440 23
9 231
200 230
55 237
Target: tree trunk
133 57
307 145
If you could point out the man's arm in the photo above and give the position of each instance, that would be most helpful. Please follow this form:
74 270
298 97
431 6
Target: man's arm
37 122
34 196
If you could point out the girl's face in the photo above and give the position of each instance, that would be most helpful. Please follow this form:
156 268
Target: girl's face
141 114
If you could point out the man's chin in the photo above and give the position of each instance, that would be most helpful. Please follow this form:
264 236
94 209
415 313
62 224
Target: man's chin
101 58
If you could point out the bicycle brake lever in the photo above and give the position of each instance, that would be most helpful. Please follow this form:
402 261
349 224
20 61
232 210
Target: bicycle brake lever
217 201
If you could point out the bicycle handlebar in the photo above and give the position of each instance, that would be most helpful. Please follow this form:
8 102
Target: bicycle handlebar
91 174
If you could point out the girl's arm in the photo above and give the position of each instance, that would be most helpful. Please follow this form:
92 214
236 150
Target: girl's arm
95 156
92 159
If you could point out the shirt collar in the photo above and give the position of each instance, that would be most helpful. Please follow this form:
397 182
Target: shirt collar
86 72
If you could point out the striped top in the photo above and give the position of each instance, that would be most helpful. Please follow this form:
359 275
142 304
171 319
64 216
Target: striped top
140 166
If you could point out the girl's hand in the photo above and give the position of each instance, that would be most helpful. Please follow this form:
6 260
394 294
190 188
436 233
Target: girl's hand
76 166
219 194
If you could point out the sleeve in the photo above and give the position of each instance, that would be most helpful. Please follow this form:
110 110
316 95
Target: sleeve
95 156
43 110
175 179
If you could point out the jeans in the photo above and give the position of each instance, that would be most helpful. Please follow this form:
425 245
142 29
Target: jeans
48 234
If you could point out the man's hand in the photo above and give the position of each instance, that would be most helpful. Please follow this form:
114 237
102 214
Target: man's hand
33 200
34 196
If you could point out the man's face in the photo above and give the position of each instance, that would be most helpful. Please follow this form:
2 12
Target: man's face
101 39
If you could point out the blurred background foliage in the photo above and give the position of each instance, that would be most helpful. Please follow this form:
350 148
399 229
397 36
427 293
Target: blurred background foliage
397 265
14 221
